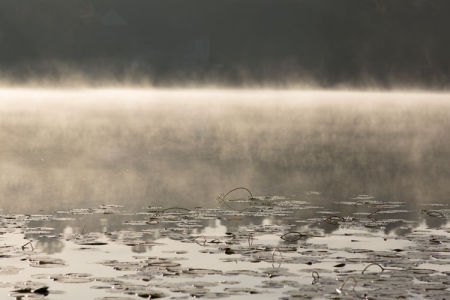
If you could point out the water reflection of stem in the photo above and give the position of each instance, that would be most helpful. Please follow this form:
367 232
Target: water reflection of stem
275 251
197 242
273 258
277 267
370 216
250 240
197 212
315 276
355 283
221 201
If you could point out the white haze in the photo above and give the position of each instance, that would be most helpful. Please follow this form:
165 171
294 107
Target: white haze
137 147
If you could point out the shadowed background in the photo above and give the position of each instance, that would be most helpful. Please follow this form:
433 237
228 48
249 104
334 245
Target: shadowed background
325 43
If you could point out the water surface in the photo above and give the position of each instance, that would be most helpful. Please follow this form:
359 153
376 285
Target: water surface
78 148
120 194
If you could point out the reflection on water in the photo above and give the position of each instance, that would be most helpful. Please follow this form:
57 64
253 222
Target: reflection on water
203 251
80 148
348 220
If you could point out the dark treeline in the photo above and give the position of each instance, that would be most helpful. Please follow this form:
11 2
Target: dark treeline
359 43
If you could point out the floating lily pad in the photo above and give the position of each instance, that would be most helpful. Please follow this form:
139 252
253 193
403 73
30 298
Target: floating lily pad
46 262
115 298
30 289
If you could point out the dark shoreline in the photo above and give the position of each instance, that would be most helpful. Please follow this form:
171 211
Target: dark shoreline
323 43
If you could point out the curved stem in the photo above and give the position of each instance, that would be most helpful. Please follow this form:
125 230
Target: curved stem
238 188
372 264
170 208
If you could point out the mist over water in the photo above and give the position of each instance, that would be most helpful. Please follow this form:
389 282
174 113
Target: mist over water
206 148
82 148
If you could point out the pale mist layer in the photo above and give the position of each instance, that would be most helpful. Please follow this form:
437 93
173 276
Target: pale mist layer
81 148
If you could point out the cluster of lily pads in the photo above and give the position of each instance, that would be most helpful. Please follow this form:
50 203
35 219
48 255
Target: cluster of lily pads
251 247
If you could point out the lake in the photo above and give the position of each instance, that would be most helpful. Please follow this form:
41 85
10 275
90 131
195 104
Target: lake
121 193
